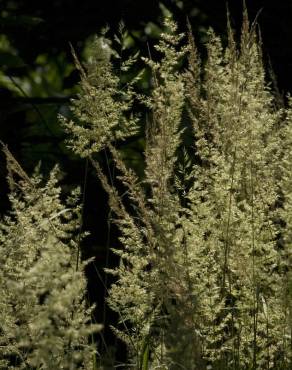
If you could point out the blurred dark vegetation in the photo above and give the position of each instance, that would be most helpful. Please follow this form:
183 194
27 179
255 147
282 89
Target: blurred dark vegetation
38 79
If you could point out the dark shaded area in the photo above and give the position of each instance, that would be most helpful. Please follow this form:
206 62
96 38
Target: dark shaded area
36 27
39 33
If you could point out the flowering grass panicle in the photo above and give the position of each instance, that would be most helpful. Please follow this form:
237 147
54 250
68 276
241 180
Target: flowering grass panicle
44 320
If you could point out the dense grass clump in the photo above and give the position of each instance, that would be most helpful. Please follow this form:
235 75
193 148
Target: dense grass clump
204 279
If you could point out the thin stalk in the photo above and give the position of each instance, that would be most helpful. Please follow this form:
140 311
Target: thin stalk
82 213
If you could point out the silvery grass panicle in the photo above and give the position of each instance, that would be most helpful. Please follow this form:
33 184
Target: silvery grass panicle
44 321
235 257
174 321
101 106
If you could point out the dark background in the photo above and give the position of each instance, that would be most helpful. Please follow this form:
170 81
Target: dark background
37 80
